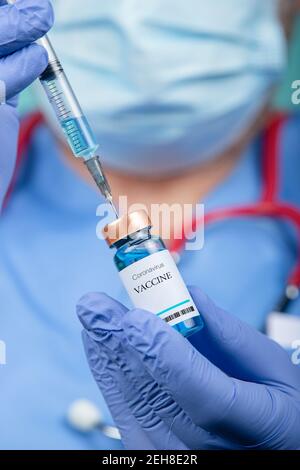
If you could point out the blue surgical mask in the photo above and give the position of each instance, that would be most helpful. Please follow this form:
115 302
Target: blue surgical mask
168 84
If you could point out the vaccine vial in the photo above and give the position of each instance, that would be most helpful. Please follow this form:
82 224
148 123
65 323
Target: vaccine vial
149 273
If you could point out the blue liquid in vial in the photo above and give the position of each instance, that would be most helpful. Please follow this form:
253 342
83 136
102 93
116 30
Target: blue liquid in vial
139 246
80 136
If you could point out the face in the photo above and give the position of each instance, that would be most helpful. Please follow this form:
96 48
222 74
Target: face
168 84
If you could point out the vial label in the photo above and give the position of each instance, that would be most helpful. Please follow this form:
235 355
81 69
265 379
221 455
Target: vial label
155 284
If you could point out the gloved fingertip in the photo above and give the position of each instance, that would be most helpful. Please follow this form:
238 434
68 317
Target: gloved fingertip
137 320
223 331
134 324
97 311
39 16
48 18
143 328
96 356
210 312
201 300
89 305
89 345
89 299
38 58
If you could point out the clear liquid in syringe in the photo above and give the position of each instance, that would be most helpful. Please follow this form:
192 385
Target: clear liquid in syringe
73 122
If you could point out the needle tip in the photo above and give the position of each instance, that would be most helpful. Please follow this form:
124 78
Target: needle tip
113 206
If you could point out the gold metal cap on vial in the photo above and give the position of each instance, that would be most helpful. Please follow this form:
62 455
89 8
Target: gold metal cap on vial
125 226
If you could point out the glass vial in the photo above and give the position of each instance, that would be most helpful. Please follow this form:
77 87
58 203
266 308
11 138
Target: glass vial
149 273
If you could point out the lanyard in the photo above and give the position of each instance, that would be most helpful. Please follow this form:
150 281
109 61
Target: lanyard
269 204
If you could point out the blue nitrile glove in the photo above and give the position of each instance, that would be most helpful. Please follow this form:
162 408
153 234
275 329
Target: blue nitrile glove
21 62
240 390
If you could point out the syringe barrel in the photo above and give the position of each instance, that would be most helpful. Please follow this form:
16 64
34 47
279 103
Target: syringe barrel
57 86
66 106
46 43
60 93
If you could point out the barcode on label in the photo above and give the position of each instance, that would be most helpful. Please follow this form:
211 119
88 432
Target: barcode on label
180 313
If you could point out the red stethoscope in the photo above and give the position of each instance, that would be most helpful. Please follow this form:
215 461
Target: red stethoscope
269 204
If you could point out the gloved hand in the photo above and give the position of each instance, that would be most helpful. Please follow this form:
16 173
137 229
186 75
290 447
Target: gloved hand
239 390
21 62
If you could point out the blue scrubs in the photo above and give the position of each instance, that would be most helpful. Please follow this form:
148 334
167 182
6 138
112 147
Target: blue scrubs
50 256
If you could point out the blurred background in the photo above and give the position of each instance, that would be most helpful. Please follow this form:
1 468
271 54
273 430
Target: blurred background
282 101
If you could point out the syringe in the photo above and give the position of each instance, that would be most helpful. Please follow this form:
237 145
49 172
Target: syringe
71 118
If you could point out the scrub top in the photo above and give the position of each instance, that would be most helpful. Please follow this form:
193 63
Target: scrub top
50 256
